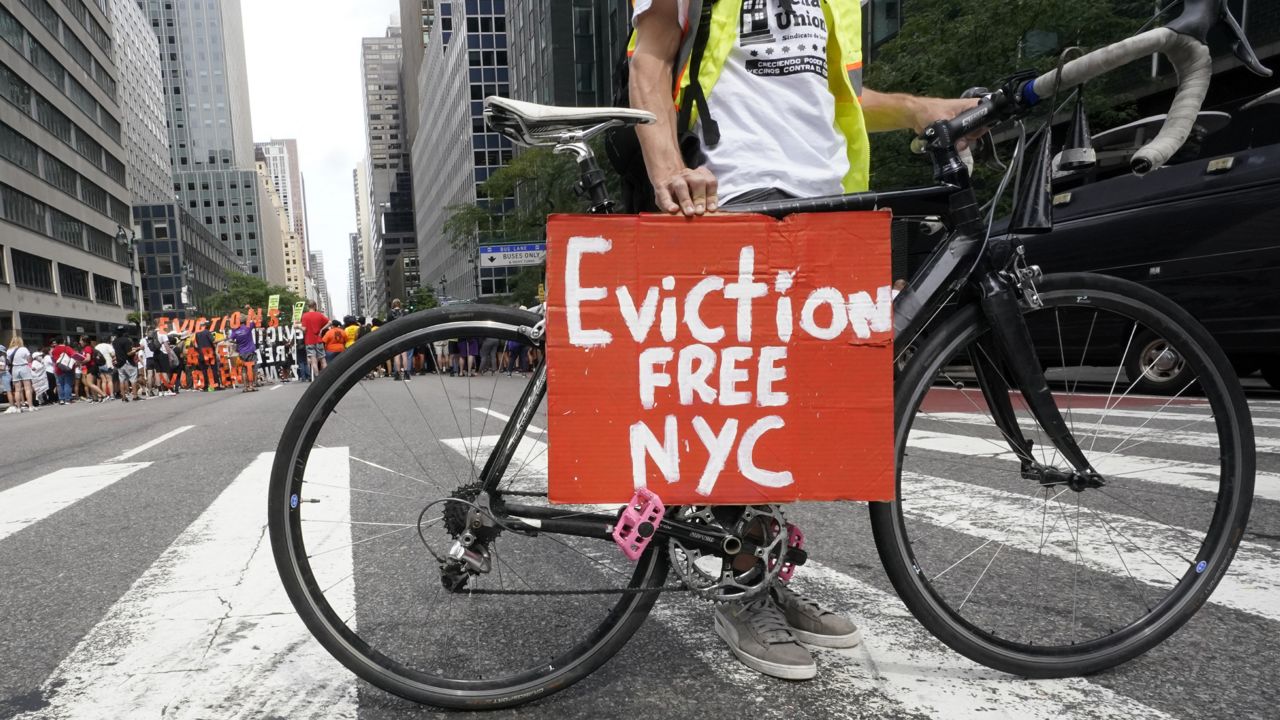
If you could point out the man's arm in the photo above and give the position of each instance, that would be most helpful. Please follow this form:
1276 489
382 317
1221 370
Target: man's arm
676 188
885 112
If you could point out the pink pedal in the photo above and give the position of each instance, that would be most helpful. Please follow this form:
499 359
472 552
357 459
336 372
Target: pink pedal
638 523
795 541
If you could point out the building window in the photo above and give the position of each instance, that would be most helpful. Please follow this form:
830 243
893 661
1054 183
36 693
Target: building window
73 281
31 272
104 290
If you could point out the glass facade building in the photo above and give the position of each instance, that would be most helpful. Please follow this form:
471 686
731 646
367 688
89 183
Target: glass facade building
210 129
182 262
467 60
144 135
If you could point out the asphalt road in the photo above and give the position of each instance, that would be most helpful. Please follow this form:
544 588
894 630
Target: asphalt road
136 580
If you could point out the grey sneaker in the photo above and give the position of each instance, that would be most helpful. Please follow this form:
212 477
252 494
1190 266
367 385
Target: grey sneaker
811 623
757 633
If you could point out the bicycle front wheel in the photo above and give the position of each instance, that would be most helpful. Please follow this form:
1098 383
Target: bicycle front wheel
1031 575
372 484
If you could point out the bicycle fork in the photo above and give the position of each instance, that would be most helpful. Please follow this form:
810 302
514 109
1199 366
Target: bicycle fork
1002 294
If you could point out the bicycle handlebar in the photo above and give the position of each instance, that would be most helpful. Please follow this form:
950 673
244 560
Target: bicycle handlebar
1190 58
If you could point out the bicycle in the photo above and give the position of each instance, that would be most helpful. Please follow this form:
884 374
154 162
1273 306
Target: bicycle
407 545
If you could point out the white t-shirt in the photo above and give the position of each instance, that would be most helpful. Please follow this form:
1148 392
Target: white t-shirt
18 357
108 352
772 103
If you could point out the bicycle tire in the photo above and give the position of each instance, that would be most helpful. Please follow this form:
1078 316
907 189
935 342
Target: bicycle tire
1216 380
310 601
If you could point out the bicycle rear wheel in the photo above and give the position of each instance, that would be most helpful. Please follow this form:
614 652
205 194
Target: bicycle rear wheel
371 484
1034 577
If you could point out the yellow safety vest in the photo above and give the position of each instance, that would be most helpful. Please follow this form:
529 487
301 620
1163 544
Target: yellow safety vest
844 50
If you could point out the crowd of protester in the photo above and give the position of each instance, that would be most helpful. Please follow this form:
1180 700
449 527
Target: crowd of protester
326 339
127 368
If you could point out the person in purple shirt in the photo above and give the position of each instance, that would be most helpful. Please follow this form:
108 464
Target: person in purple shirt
247 349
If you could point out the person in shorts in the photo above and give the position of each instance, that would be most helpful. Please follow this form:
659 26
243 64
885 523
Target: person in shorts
314 324
6 382
127 358
247 349
106 369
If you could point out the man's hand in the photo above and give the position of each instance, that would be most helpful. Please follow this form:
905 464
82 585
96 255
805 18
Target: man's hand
687 191
931 110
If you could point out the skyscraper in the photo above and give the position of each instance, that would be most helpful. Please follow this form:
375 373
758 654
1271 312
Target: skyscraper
145 137
467 59
62 171
322 284
281 157
416 19
210 128
567 56
355 275
390 194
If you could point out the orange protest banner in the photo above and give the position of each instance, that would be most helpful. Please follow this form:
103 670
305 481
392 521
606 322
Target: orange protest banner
726 360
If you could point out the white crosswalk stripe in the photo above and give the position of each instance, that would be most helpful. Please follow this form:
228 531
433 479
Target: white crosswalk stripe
207 631
1178 473
33 501
1127 437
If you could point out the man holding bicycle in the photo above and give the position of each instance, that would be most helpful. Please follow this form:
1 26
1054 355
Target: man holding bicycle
772 91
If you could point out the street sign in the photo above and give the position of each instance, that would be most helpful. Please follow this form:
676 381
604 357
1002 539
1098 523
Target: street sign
513 255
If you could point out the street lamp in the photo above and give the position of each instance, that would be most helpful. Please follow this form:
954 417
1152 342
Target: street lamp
128 240
188 286
444 281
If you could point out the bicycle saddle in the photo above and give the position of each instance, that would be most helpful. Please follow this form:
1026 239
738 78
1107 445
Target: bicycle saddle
532 124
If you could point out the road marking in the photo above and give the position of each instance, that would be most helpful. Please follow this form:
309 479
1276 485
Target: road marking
899 669
35 500
207 631
276 387
505 418
1177 473
1252 585
1172 416
148 445
1131 436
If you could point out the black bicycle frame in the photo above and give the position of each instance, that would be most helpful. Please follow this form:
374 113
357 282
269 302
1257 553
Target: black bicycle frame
966 261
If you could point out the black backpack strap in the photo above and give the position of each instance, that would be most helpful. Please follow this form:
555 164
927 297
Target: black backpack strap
699 33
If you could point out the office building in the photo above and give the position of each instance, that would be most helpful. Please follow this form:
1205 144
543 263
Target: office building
281 157
183 263
274 225
566 52
144 136
405 277
62 172
322 284
416 19
355 275
290 268
210 128
467 59
390 184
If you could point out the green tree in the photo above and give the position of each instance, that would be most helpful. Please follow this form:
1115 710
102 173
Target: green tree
513 204
524 286
946 46
245 289
424 298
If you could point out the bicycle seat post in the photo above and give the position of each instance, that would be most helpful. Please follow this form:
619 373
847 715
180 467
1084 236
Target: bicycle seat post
593 184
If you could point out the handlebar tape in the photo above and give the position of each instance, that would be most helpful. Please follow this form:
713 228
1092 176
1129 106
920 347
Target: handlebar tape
1190 58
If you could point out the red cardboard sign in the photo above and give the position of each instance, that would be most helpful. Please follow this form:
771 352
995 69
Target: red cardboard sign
725 360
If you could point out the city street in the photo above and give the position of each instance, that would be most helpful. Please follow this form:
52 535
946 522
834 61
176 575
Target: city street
137 582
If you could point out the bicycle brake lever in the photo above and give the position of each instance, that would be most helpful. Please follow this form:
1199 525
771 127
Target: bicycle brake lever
1241 46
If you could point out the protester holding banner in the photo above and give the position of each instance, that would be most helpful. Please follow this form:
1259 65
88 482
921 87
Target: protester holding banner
206 349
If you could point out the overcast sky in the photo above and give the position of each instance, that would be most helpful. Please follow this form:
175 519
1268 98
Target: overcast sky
305 83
